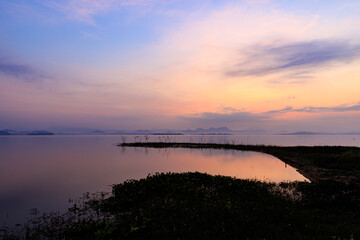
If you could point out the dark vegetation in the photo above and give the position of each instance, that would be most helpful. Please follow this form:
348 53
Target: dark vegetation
200 206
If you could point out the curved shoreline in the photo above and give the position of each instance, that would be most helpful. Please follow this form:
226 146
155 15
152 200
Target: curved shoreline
305 159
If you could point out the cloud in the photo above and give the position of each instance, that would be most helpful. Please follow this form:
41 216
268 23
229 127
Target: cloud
232 117
19 71
229 109
311 109
81 10
85 10
258 1
283 110
299 57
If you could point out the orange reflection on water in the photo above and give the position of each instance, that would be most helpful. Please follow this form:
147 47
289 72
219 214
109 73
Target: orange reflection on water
45 171
239 164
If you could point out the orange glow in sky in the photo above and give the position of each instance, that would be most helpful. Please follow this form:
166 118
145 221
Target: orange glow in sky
272 65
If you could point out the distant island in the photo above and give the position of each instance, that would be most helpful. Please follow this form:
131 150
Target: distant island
300 133
36 132
89 131
318 133
198 131
42 132
167 134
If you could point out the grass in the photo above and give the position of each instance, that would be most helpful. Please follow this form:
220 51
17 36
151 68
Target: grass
200 206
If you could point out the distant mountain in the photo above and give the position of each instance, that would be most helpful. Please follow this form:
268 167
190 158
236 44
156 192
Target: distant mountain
40 132
143 131
319 133
300 133
72 130
92 131
3 132
167 133
352 133
7 132
209 130
222 130
197 131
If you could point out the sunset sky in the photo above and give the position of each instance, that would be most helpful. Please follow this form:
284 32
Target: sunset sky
273 65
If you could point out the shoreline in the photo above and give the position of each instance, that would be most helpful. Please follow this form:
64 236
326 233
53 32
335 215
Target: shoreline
305 159
179 205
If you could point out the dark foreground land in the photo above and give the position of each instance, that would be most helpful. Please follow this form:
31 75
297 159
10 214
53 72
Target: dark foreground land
200 206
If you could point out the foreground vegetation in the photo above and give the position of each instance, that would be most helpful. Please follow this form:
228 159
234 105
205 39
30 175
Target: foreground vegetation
200 206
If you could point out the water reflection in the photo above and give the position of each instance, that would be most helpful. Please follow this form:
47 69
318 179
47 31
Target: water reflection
240 164
46 171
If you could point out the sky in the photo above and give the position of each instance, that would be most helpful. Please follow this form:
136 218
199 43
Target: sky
272 65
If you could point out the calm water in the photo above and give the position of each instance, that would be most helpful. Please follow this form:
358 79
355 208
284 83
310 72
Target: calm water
280 140
46 171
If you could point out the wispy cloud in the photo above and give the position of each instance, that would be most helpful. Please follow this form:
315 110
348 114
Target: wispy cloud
297 57
81 10
311 109
233 115
20 71
85 10
283 110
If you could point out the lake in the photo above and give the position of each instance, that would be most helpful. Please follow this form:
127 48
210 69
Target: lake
44 172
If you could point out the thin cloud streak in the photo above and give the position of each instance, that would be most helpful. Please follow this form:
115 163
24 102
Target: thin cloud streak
298 57
310 109
85 10
20 71
243 116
